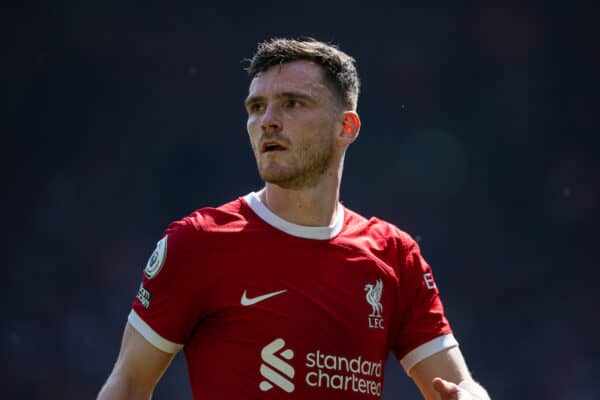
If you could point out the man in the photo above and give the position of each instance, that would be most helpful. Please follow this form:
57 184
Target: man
285 293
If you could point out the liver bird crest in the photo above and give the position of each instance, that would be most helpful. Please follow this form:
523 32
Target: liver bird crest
374 297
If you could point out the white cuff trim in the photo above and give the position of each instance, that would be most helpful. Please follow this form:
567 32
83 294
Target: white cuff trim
151 336
426 350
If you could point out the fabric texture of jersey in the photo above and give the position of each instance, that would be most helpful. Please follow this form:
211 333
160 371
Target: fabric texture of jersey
266 309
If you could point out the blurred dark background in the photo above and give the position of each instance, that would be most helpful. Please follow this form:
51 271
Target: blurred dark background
479 138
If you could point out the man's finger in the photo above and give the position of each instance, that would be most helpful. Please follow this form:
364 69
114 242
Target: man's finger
444 387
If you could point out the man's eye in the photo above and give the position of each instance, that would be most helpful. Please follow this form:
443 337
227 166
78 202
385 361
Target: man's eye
255 107
293 104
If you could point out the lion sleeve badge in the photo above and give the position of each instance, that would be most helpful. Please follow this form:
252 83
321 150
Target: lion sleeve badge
157 259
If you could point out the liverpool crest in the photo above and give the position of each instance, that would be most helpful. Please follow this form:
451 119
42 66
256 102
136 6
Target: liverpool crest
374 299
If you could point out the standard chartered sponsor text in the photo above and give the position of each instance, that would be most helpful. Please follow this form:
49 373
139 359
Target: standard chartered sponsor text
341 373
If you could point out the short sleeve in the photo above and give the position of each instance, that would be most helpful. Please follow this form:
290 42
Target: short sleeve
169 302
422 329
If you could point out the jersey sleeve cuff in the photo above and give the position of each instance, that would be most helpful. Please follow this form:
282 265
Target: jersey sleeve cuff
150 334
426 350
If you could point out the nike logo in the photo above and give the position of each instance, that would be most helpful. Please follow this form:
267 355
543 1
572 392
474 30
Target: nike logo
248 301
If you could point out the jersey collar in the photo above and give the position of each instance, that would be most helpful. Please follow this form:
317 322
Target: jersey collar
307 232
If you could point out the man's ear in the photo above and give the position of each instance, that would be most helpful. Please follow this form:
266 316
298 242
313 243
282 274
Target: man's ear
350 127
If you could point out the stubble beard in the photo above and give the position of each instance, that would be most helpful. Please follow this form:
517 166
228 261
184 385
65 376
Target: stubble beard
312 163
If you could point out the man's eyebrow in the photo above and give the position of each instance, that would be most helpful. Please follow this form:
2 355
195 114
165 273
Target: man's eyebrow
282 95
295 95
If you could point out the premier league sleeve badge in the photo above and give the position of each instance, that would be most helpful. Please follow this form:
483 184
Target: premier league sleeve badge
157 259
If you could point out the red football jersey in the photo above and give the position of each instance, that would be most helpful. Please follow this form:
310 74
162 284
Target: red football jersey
267 309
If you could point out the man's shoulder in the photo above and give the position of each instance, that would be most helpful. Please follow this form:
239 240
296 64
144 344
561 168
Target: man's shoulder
230 216
377 228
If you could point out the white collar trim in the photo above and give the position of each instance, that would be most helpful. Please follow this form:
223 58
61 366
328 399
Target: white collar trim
308 232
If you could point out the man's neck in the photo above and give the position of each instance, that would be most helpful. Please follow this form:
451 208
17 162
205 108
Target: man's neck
315 206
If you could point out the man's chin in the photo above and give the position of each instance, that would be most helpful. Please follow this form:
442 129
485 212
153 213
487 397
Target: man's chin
281 180
290 183
274 175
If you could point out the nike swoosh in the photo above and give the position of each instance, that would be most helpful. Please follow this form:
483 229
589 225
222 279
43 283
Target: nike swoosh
247 301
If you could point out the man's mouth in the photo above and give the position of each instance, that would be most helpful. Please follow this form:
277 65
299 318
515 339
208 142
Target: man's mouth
269 147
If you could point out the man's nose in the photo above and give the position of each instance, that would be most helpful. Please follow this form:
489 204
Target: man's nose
271 120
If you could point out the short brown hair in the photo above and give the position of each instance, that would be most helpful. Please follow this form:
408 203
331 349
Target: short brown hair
340 68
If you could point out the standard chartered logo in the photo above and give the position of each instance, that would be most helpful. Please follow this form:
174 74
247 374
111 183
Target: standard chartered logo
275 370
324 371
336 372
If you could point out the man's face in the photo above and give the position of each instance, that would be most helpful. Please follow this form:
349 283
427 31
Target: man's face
293 121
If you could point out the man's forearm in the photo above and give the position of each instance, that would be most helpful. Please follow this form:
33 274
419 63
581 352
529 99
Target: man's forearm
120 387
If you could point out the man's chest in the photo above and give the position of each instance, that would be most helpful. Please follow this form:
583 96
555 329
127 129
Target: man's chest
302 283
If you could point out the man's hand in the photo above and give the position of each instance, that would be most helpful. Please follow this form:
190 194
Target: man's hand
450 391
450 365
